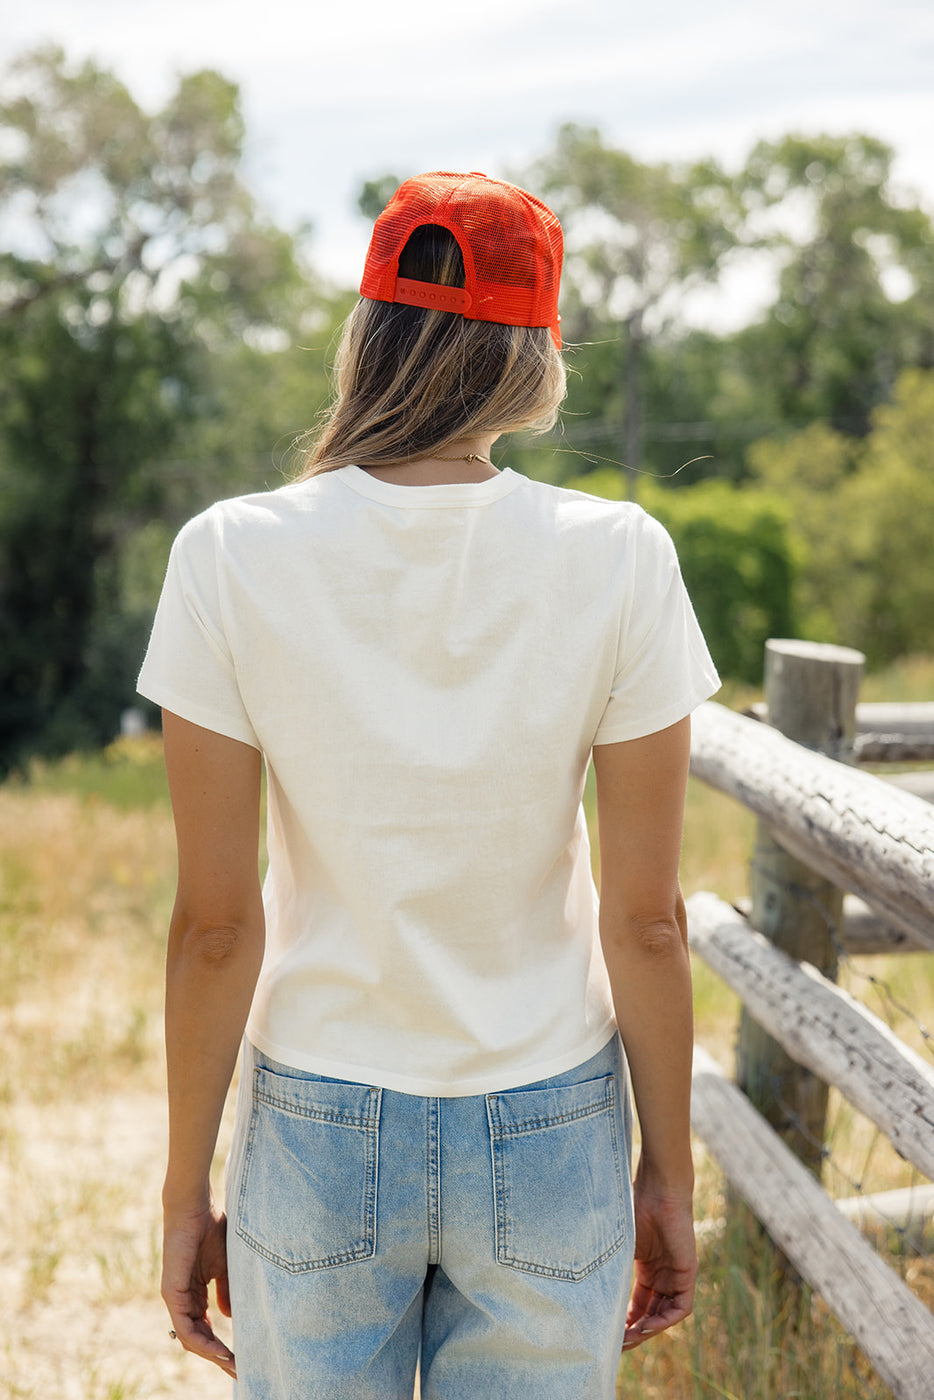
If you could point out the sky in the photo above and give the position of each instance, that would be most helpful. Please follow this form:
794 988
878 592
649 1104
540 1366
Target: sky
337 93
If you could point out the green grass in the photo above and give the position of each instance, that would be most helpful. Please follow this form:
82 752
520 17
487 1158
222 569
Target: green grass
129 774
907 680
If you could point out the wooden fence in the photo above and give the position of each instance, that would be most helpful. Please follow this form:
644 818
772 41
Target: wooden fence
825 827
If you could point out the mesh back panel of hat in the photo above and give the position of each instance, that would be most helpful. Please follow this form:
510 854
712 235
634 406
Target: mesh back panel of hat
510 241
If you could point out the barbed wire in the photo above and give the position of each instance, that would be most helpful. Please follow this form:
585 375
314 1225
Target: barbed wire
910 1239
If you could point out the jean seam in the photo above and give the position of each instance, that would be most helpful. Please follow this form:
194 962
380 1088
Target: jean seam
534 1125
321 1115
499 1183
434 1180
363 1251
525 1266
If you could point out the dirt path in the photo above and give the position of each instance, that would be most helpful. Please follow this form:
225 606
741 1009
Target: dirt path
82 1319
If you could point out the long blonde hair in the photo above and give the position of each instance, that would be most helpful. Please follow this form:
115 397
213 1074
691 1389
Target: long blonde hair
411 381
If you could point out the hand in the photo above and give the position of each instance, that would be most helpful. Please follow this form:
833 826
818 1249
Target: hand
194 1252
666 1263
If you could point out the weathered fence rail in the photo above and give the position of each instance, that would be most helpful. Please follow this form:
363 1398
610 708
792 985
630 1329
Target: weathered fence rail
887 732
859 832
893 1328
822 1027
894 733
861 929
825 828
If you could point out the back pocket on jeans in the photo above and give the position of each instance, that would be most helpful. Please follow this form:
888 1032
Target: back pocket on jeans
558 1176
308 1191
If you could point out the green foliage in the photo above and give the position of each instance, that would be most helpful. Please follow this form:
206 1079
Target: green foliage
855 283
633 231
862 519
81 415
375 194
809 470
149 324
637 238
128 774
889 504
736 559
853 265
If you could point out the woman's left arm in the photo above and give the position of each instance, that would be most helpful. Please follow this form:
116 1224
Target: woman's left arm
216 940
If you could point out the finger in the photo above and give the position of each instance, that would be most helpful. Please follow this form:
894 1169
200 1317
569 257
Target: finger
639 1301
666 1312
197 1336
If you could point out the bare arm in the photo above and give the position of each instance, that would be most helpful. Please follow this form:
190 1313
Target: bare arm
216 939
640 804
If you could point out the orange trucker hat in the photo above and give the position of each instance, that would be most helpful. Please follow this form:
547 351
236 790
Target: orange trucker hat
511 244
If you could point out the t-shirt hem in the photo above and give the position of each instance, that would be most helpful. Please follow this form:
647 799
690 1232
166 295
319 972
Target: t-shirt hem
662 717
202 715
381 1078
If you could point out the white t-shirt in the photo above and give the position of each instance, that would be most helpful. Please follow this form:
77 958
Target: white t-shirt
425 670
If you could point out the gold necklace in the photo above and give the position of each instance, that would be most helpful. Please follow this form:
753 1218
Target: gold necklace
468 457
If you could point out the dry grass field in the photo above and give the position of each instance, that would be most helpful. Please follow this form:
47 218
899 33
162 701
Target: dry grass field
86 876
85 891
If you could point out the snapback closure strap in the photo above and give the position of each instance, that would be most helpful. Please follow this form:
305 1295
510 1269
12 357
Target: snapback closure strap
432 296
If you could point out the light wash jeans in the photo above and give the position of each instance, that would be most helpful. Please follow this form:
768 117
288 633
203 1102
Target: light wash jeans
492 1236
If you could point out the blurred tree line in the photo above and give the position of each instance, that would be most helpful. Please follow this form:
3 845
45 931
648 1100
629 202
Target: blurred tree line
151 321
162 343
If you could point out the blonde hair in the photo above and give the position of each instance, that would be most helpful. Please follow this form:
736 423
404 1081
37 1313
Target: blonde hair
409 382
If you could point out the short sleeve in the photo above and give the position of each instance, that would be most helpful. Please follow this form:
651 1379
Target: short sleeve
188 667
664 669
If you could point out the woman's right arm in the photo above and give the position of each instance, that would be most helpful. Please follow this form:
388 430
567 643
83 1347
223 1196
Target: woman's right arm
216 940
640 804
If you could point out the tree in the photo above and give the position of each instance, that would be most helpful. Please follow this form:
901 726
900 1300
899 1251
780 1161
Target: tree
375 194
861 519
136 257
638 238
890 507
855 285
810 471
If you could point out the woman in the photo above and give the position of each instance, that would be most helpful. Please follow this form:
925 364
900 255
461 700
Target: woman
430 1156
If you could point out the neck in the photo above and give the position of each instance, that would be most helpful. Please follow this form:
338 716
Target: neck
449 466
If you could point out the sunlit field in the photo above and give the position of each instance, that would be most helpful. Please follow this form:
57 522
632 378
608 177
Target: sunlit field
86 882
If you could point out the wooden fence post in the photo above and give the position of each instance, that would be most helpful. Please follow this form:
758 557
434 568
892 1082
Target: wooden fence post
810 695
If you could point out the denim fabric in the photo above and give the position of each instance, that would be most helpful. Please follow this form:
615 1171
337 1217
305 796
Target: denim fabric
491 1235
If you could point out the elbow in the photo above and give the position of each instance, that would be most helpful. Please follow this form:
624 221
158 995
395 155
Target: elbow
211 944
659 937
